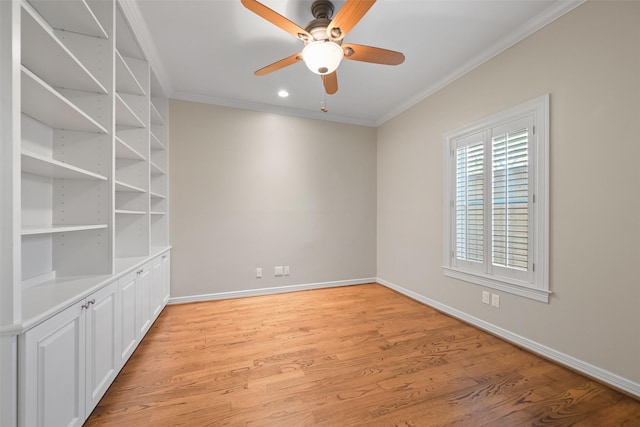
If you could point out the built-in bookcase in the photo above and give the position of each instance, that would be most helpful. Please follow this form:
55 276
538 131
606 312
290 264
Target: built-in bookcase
132 130
159 166
66 142
84 221
93 144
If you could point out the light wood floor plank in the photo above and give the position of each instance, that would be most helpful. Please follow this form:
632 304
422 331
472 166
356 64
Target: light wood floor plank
339 357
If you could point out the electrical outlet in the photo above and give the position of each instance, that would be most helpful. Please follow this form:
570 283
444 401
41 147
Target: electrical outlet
495 300
278 270
286 270
486 297
258 273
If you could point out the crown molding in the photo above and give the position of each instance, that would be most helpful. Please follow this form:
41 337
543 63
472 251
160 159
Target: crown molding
534 24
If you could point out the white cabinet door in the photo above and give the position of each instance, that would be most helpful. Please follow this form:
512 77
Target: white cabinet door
157 280
52 371
166 278
128 328
103 336
143 302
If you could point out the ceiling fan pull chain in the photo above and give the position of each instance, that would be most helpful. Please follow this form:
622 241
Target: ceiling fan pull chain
323 99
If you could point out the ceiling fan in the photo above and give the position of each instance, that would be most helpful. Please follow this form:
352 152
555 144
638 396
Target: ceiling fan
323 47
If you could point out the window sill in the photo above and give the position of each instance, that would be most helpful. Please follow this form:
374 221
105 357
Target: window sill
490 282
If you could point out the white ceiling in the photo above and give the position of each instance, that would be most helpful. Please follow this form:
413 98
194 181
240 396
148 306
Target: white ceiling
207 51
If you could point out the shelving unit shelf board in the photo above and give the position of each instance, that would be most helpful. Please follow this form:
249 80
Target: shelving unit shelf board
128 188
46 56
29 230
125 151
126 81
46 105
125 115
37 164
156 170
76 16
156 144
128 212
157 213
157 195
156 117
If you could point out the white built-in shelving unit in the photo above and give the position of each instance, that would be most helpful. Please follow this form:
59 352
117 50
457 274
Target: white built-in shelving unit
65 143
84 181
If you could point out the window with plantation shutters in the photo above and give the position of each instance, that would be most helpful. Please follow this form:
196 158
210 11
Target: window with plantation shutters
496 213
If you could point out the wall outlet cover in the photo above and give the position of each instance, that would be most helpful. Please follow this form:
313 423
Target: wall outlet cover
486 297
495 300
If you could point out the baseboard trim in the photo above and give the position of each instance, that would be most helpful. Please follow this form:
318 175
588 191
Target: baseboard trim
623 384
269 291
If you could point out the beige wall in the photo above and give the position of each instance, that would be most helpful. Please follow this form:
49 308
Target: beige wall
589 62
251 189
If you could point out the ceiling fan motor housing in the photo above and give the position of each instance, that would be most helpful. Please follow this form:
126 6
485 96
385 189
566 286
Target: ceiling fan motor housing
322 9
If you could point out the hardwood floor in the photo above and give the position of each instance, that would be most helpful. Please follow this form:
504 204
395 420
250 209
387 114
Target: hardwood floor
358 355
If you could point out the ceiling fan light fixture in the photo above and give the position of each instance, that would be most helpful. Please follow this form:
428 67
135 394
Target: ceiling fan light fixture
322 57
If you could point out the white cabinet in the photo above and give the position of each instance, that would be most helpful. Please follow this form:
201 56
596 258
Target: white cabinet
52 371
143 300
159 283
68 362
166 278
128 331
143 294
102 340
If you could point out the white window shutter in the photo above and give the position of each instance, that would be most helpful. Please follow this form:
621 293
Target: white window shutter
470 202
510 198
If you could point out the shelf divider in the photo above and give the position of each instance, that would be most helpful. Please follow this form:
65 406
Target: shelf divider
29 230
76 17
46 105
37 164
129 212
125 151
128 188
126 81
125 115
46 56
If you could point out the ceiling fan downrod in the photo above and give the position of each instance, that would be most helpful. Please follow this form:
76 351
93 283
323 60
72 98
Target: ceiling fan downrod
322 11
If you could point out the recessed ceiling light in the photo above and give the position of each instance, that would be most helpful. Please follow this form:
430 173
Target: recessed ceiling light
283 93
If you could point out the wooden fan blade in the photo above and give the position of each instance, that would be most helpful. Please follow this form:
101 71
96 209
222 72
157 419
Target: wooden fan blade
276 19
376 55
285 62
347 18
330 82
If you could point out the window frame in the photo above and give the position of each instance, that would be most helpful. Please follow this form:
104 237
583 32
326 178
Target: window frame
534 282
